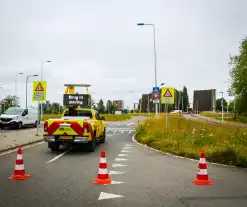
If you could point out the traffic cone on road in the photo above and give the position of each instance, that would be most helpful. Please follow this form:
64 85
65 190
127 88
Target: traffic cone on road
19 172
202 174
103 176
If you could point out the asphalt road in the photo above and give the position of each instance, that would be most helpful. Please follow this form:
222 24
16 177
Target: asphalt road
148 178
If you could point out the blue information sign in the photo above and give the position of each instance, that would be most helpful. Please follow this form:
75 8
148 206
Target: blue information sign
156 90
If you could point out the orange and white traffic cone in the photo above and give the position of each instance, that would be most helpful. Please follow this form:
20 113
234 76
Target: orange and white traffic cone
19 173
103 176
202 174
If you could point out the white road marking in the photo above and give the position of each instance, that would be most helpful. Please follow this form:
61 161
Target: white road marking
122 155
15 150
120 159
115 131
125 151
122 132
114 182
55 158
118 165
129 124
129 145
103 196
127 148
115 172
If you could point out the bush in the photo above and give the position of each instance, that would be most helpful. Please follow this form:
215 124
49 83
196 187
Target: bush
222 143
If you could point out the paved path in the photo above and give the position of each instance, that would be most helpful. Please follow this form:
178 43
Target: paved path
145 178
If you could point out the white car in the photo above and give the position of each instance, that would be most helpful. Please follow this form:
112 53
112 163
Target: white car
176 112
16 117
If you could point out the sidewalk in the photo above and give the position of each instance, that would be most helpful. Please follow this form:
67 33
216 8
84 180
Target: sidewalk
16 138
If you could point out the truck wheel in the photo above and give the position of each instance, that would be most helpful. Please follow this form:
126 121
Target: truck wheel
53 146
19 125
92 145
103 138
35 124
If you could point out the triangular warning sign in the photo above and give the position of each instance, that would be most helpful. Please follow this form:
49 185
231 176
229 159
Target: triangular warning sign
167 93
39 87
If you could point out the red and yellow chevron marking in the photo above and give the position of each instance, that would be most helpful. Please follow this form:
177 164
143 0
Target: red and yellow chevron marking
75 128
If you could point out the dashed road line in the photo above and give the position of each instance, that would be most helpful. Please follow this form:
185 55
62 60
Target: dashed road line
118 165
112 172
124 151
104 196
122 155
57 157
120 159
114 182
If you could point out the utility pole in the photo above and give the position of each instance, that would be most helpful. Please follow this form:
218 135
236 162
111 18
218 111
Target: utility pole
222 107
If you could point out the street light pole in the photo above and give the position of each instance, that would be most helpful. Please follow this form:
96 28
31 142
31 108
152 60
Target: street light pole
222 106
16 84
155 60
26 85
160 97
41 78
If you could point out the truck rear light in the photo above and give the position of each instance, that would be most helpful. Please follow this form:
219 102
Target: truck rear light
46 126
86 127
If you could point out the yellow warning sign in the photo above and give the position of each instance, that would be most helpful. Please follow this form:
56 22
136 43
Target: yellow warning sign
167 95
39 91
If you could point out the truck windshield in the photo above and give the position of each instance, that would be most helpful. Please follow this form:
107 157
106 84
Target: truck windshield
80 113
13 111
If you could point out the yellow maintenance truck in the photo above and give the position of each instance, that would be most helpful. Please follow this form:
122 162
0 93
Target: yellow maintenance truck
79 124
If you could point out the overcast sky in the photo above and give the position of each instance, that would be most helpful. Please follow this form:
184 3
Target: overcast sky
97 42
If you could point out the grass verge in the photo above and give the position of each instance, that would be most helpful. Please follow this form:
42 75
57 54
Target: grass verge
116 117
227 117
108 117
222 144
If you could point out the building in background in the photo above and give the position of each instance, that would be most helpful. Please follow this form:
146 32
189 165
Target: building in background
118 104
204 100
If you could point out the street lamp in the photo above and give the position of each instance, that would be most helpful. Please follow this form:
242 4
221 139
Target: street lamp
41 78
26 85
16 76
42 67
160 97
155 60
222 106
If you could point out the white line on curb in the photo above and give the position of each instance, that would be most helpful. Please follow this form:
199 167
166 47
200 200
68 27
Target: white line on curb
15 150
55 158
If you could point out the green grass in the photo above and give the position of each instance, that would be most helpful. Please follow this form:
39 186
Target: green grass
227 117
116 117
222 143
108 117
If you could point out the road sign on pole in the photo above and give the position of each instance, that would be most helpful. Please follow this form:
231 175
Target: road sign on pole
167 95
39 91
156 94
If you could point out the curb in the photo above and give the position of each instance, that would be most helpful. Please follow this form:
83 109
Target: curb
25 145
176 156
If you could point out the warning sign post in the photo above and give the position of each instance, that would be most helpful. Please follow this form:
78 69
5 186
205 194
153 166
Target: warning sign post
39 91
167 97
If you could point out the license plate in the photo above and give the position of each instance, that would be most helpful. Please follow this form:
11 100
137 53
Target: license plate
66 137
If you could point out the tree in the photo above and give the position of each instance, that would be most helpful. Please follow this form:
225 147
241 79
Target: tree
110 108
101 106
238 75
185 99
9 101
218 104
